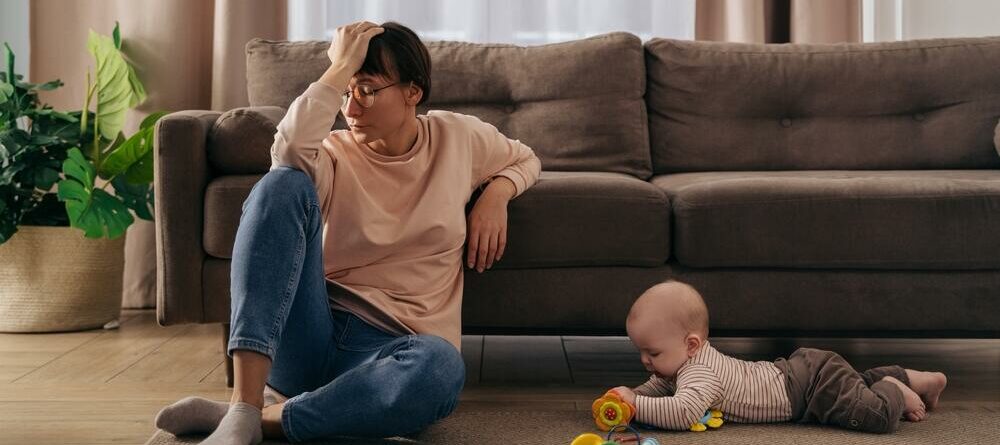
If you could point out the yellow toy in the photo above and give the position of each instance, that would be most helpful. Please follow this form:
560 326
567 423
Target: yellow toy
594 439
711 419
611 410
588 439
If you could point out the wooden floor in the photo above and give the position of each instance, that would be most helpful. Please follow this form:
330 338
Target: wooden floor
105 386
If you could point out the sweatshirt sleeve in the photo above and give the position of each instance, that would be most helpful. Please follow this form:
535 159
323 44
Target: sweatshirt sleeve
298 142
698 389
496 155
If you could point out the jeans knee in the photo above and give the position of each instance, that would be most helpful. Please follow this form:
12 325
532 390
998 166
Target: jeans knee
283 184
441 362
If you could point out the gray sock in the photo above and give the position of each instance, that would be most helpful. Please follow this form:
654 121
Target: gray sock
191 415
240 426
198 415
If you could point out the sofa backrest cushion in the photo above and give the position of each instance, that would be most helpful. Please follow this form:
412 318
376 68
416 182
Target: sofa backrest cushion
922 104
578 104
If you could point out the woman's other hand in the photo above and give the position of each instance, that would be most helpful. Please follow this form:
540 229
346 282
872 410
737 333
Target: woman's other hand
488 225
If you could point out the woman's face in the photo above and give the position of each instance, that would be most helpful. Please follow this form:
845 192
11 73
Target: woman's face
388 112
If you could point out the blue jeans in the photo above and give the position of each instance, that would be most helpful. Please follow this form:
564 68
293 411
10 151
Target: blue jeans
344 376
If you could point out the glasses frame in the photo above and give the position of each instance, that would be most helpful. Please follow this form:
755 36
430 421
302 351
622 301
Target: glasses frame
350 93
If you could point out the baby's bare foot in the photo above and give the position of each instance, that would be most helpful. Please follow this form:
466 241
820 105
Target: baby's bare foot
914 409
929 385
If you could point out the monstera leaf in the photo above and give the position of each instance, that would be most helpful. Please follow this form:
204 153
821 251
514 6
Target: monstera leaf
117 86
134 156
138 197
91 209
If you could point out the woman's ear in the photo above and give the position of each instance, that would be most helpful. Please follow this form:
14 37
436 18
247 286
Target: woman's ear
413 94
692 344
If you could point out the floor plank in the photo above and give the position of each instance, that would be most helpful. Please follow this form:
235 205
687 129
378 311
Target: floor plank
107 355
23 353
188 357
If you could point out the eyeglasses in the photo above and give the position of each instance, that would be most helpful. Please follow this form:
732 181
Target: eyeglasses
363 95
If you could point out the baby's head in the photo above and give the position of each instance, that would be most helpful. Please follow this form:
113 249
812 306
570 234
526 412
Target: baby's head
668 324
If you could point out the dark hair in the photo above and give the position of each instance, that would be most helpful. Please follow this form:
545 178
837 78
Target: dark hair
398 52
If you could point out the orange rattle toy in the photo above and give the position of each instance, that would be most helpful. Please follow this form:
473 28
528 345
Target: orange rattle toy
611 410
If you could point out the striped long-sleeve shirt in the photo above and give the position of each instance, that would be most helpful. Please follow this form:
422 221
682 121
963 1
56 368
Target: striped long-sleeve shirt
745 392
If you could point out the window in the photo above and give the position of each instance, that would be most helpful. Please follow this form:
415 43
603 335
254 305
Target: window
521 22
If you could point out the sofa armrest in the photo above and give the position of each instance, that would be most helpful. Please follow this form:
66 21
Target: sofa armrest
181 173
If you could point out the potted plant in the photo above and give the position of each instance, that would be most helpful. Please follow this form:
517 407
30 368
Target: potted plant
61 226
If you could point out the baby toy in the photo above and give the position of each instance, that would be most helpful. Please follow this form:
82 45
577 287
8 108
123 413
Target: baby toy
611 410
711 419
594 439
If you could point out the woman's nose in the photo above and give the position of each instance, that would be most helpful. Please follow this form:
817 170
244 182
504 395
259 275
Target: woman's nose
352 108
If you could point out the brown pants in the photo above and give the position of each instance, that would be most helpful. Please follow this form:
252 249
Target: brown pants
824 388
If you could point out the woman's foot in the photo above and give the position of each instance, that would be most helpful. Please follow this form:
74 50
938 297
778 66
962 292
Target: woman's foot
929 385
240 426
914 409
191 415
198 415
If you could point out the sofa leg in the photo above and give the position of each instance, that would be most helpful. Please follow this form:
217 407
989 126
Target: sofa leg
229 360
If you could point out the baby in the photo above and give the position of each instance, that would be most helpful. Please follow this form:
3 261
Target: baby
669 326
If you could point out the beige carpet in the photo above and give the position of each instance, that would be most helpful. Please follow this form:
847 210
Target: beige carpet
959 424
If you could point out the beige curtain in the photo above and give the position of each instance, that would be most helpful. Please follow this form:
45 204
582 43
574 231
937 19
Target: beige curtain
778 21
189 55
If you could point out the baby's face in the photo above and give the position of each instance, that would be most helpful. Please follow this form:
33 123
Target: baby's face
662 348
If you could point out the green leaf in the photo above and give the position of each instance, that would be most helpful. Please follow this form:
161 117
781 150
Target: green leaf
118 88
138 197
139 92
45 177
134 157
121 156
47 86
6 92
107 147
150 120
42 140
93 210
117 35
142 171
7 174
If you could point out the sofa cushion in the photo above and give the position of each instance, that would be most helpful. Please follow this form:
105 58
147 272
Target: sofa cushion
224 198
565 219
588 219
923 104
933 219
240 141
578 104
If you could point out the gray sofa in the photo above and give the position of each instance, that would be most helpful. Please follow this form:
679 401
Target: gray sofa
849 189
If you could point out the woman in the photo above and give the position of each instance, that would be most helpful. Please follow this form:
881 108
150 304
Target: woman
347 266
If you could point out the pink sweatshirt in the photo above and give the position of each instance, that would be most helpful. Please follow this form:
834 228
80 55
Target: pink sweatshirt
394 227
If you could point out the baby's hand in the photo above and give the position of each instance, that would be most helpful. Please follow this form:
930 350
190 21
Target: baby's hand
626 394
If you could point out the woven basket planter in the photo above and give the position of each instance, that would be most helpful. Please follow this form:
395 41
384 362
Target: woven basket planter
53 279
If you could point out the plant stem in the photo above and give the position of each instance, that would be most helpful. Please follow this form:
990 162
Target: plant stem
88 91
97 137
